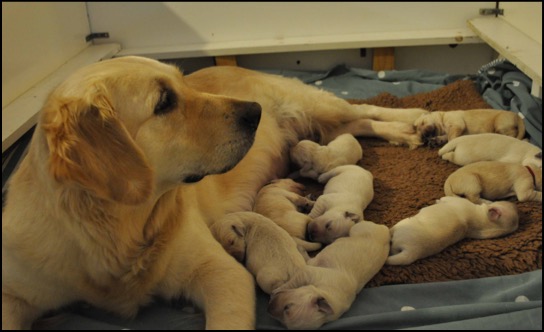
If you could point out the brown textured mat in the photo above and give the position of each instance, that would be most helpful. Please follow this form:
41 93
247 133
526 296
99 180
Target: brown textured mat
407 180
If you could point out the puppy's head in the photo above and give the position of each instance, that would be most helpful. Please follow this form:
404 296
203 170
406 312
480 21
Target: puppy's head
302 154
230 233
332 225
120 126
502 219
427 127
305 307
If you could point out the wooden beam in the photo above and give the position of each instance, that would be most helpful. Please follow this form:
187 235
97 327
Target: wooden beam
227 60
383 59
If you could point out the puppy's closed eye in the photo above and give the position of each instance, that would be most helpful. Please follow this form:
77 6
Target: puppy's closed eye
166 103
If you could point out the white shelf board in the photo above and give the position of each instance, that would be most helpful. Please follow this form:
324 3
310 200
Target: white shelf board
21 114
511 43
313 43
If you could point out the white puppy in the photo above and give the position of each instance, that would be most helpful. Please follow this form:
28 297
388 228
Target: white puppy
468 149
314 159
348 191
267 250
326 290
448 221
282 201
437 128
494 180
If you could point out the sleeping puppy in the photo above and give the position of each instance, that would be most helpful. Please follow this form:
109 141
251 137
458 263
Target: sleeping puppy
348 191
314 159
437 128
495 180
448 221
282 201
468 149
267 251
327 288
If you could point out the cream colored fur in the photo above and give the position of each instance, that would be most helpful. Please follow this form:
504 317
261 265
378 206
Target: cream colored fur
450 220
314 159
468 149
348 191
327 288
492 180
266 249
438 128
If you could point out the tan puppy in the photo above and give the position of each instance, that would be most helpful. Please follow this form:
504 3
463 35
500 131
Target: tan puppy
326 290
448 221
348 191
437 128
281 201
267 251
314 159
468 149
494 180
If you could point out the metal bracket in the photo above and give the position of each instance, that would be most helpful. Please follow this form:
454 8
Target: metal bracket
491 11
95 35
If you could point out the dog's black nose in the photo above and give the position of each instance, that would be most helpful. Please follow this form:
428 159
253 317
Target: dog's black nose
249 115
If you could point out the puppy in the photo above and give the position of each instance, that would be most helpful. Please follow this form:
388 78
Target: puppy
495 180
348 192
327 288
437 128
267 250
448 221
314 159
468 149
282 201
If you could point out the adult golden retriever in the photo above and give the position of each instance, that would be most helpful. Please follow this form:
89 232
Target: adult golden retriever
129 164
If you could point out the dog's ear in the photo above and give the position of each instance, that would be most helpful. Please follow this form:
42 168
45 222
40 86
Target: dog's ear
493 214
323 305
353 216
539 155
90 148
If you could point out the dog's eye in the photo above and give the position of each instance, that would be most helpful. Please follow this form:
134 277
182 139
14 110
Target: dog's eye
167 102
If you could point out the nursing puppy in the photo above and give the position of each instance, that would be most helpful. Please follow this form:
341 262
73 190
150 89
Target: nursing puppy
328 287
437 128
267 251
282 201
348 191
494 180
448 221
314 159
468 149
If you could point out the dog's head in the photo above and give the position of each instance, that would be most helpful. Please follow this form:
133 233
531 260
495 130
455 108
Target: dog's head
305 307
428 127
119 127
332 225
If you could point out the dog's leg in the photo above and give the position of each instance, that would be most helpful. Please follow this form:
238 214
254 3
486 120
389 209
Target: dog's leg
321 206
397 133
406 115
17 314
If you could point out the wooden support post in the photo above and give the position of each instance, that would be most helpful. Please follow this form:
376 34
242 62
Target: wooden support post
229 60
383 59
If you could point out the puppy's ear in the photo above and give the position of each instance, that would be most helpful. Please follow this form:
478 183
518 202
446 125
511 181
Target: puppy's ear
323 305
239 228
353 216
493 214
90 148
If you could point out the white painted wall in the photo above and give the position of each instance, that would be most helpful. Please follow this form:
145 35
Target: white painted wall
37 38
191 29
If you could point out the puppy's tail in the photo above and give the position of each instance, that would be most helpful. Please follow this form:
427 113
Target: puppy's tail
404 257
